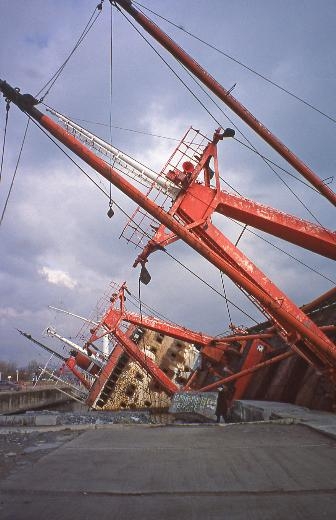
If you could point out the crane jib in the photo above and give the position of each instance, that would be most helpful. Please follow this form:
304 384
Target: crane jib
225 96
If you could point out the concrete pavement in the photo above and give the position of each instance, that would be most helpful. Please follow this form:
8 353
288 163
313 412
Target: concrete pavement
239 471
247 411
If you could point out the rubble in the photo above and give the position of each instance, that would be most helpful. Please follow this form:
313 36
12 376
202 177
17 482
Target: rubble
52 418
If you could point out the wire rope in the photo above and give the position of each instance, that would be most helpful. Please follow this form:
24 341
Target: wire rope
250 69
126 129
253 148
170 68
211 115
170 255
267 159
133 130
82 36
143 341
14 174
4 137
314 270
214 118
142 230
110 212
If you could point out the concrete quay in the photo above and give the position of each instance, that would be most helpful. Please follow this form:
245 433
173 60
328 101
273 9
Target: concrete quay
235 471
252 411
30 399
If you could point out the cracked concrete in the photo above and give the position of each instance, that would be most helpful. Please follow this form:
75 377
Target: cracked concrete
235 471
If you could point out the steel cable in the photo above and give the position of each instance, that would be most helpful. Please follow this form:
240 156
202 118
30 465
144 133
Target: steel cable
171 256
225 115
250 69
14 175
4 138
59 71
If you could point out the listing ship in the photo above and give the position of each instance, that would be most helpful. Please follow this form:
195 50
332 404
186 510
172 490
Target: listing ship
290 357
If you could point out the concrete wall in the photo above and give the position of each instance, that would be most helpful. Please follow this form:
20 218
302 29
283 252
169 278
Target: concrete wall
13 402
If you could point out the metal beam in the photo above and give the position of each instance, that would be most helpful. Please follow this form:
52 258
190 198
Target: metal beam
228 99
245 372
305 328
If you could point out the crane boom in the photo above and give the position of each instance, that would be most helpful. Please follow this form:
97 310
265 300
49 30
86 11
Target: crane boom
48 349
293 322
225 96
52 333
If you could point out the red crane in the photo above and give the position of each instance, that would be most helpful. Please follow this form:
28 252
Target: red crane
227 98
198 197
240 355
190 220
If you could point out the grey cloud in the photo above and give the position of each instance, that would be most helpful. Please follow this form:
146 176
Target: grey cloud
57 219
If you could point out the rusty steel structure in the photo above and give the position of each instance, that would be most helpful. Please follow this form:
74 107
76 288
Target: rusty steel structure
231 360
240 358
222 360
192 183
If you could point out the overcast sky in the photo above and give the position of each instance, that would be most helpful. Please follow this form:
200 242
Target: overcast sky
57 245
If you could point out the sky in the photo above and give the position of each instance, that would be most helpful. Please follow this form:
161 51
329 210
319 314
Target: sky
59 248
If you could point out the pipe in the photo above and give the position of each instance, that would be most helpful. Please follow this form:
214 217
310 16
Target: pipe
145 362
51 332
48 349
319 300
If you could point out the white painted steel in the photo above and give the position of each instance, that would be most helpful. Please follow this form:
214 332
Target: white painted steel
134 168
52 332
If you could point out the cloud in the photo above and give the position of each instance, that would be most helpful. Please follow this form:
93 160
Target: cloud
56 222
58 277
10 312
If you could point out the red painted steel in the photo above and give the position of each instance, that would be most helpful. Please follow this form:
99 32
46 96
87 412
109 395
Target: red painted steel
106 372
110 324
297 326
195 206
210 350
246 337
245 372
87 363
253 344
145 362
191 380
320 300
174 331
216 354
255 355
289 228
228 99
72 365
